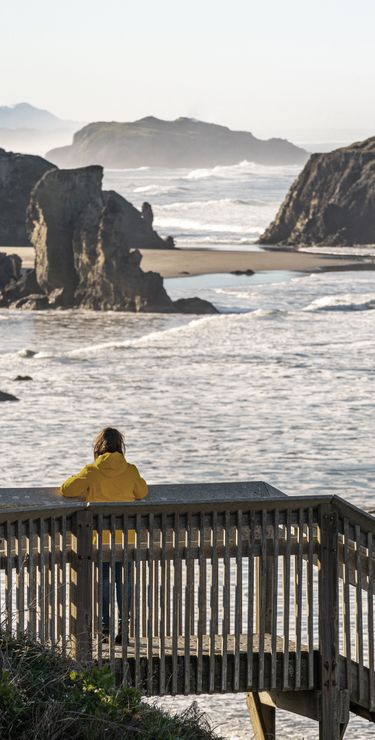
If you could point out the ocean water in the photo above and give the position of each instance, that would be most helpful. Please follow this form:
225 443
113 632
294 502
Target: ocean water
221 207
279 386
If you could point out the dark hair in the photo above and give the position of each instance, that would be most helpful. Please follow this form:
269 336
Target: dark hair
108 440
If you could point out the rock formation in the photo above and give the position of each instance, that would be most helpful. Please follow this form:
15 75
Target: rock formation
10 269
184 142
18 175
7 397
84 242
332 202
147 214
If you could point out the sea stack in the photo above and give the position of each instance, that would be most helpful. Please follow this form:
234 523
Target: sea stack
85 255
85 241
332 202
18 175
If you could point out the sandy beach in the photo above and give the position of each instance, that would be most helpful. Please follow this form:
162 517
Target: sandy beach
183 262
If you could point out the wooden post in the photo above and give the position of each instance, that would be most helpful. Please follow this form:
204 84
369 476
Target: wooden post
329 725
263 716
84 527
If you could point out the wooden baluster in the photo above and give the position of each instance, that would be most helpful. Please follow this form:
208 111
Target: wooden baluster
137 600
177 593
150 605
250 610
202 602
125 599
262 599
226 602
347 624
112 593
238 604
274 598
188 601
359 619
53 600
21 564
99 536
32 605
370 611
164 602
84 527
310 597
63 585
42 582
286 574
8 580
214 602
298 600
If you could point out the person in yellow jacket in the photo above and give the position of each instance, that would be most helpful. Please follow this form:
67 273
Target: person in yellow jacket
109 478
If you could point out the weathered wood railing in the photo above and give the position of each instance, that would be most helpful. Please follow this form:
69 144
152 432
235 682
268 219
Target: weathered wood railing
272 596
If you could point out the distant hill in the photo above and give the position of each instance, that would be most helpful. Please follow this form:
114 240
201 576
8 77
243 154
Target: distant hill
184 142
24 115
25 128
332 202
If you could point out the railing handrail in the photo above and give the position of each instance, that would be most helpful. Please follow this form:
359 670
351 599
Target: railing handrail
68 506
143 506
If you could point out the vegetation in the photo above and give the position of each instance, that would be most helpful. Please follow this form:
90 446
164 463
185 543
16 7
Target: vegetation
45 696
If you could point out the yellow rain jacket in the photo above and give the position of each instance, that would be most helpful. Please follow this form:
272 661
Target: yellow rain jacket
109 478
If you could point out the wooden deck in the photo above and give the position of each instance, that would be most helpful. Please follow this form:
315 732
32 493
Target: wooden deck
238 589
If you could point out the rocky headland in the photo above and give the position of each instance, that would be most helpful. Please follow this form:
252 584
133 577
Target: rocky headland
184 142
18 175
86 254
332 202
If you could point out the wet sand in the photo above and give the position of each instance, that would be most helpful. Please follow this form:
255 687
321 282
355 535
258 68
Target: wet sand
182 262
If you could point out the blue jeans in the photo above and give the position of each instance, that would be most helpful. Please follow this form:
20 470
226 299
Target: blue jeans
118 585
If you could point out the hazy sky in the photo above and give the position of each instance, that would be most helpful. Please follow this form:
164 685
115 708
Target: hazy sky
273 66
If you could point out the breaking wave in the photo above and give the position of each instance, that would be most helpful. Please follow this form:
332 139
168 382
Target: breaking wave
342 303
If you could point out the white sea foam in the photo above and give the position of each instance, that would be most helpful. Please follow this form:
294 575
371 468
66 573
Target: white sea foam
347 302
192 225
154 189
226 171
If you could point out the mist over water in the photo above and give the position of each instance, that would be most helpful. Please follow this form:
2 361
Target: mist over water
280 386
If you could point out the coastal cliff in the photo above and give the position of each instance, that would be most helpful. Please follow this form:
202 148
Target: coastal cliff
184 142
332 202
18 175
84 242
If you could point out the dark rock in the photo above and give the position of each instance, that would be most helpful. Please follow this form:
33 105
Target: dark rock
10 269
242 272
332 202
84 241
184 142
147 214
18 175
194 305
27 353
26 285
7 397
32 302
23 377
170 243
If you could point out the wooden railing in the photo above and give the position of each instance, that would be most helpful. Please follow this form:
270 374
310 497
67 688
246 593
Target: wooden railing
273 597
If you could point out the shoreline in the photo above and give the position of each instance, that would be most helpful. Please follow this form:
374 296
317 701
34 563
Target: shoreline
191 262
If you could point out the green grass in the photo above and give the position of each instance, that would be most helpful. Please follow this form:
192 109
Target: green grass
45 696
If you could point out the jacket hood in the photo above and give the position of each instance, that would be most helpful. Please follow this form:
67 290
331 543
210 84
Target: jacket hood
111 464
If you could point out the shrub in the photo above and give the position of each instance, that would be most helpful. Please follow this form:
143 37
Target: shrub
46 696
